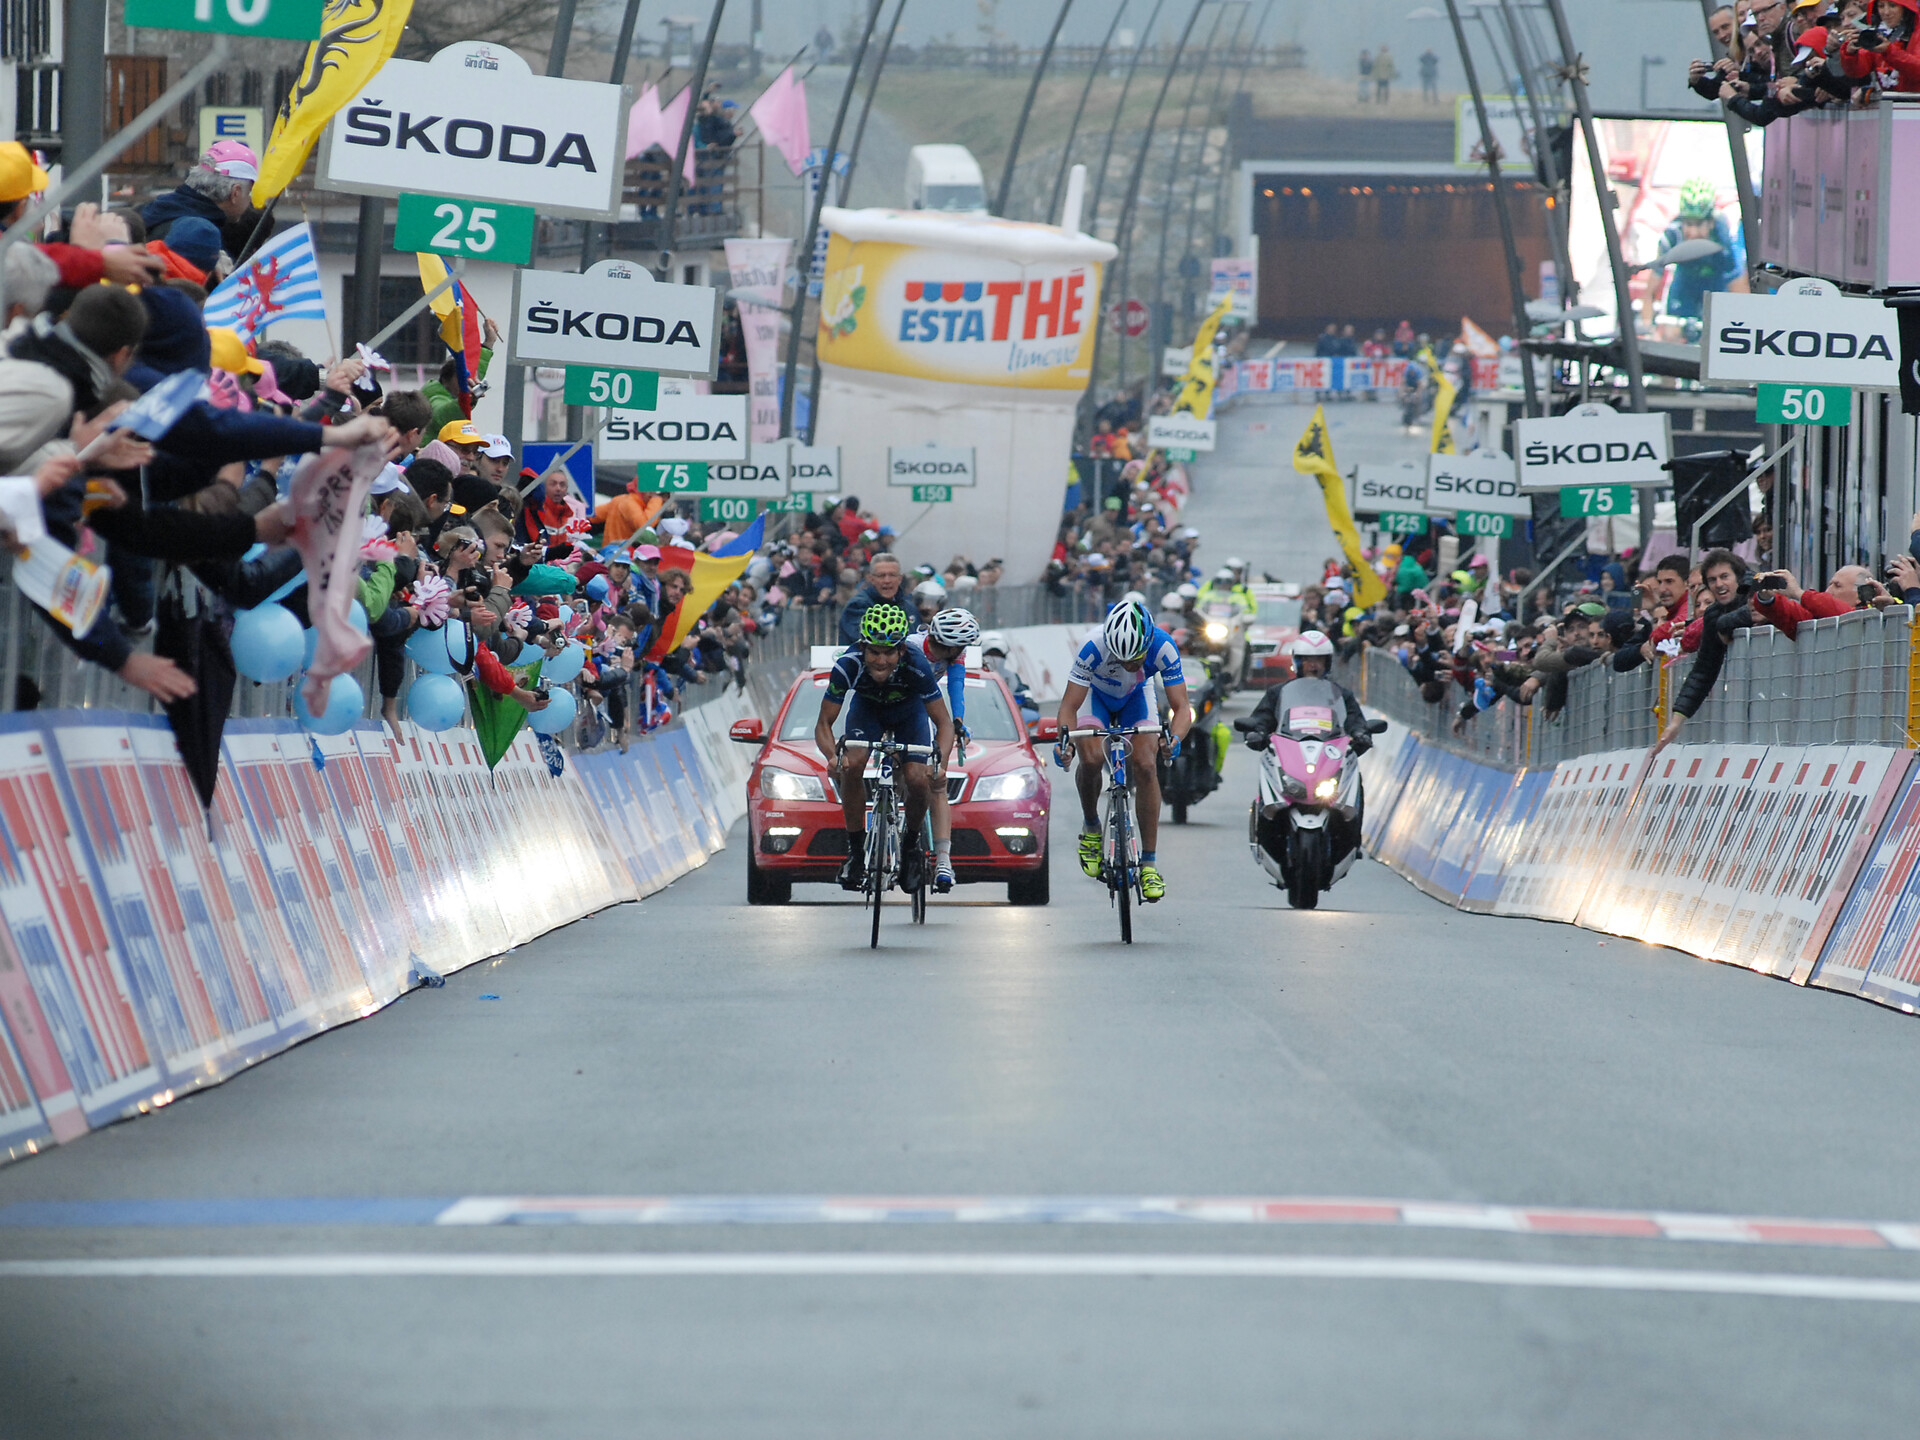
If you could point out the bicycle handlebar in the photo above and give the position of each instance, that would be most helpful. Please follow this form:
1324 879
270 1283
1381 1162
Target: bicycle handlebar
1111 730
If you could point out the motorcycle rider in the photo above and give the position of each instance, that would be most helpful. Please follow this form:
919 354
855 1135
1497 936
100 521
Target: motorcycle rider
1226 586
1313 660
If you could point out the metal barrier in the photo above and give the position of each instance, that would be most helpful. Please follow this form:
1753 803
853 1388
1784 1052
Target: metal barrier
1851 680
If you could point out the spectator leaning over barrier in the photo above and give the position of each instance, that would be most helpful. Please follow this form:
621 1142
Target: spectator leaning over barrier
1725 577
1779 601
883 585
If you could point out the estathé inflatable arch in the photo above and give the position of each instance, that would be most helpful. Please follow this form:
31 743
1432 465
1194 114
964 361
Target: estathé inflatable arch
958 331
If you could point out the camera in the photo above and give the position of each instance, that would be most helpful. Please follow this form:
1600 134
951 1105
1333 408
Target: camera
1771 582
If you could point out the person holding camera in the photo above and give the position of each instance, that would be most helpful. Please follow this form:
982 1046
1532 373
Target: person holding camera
1779 601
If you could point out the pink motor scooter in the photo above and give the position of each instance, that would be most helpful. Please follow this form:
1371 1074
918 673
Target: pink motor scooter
1304 826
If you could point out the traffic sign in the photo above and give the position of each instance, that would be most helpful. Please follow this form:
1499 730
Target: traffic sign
1799 338
1398 523
613 389
274 19
1483 481
932 494
245 123
477 230
541 455
1577 501
1805 405
1187 432
721 510
1130 317
681 426
1484 525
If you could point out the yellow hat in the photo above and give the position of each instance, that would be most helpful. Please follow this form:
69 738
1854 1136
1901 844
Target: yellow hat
230 352
461 432
19 176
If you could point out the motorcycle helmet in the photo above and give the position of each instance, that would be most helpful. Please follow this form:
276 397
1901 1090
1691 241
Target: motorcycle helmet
1189 591
929 592
1127 631
955 628
1135 596
884 625
1223 576
1172 601
1236 564
1311 645
993 643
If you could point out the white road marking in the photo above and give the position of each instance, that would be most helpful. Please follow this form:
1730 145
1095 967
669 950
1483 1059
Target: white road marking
788 1265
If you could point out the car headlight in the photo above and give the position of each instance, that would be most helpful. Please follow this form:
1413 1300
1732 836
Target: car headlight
1216 632
1014 785
1326 788
786 785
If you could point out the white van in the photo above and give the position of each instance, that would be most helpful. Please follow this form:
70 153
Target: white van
945 178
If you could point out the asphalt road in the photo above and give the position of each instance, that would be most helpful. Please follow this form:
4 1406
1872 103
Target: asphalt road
264 1259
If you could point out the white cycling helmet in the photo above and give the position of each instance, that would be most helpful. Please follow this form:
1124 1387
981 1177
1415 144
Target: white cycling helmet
993 643
955 628
1310 643
929 592
1127 631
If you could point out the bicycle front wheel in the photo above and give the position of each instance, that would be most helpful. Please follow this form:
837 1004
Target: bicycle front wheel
1120 868
877 847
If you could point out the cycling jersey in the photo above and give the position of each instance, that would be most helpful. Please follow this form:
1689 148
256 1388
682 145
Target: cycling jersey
1109 679
912 679
956 674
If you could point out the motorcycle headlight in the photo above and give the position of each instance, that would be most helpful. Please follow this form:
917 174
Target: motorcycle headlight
1216 632
786 785
1014 785
1326 788
1297 788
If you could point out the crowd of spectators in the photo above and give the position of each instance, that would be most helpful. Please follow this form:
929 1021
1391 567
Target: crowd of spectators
1470 638
1781 57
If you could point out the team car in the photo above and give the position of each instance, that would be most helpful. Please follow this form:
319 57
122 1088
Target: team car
999 795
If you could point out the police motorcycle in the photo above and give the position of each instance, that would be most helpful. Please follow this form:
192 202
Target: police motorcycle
1304 825
1194 774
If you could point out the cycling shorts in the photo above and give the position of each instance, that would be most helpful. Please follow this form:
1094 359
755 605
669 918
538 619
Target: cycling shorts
907 719
1099 709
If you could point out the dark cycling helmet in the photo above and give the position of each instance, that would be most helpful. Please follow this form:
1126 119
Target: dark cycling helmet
884 625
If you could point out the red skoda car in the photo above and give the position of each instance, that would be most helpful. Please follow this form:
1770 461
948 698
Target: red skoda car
999 796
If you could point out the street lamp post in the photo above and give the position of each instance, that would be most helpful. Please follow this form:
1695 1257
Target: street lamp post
1160 328
1521 325
1073 130
1020 126
1119 109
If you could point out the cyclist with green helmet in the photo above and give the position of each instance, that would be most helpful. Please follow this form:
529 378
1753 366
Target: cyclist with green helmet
885 686
1692 281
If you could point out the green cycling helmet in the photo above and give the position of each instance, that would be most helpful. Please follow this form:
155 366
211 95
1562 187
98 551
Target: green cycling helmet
1697 200
884 625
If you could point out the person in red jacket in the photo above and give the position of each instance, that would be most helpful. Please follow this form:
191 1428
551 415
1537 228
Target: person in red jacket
1779 601
1888 49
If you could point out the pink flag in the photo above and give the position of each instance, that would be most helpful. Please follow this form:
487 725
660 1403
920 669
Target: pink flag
328 493
781 114
649 125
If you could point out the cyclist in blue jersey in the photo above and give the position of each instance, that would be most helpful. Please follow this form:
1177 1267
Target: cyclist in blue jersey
944 644
892 687
1109 684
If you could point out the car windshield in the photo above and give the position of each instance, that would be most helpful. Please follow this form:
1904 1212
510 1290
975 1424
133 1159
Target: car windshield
988 717
1282 612
958 199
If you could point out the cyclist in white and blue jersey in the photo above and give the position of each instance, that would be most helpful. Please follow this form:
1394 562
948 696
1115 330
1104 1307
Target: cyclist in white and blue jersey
1111 683
944 644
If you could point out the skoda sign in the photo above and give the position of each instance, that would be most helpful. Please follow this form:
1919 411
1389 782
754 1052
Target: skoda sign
910 465
1483 482
615 315
1383 489
685 426
1594 445
1180 432
1800 339
475 122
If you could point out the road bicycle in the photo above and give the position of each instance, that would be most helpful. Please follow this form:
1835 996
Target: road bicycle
1119 831
886 827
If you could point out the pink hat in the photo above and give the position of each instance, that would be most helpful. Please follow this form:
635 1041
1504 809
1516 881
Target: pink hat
647 552
232 158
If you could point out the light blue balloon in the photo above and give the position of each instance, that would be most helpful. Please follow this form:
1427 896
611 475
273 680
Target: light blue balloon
267 642
436 702
345 703
433 650
556 717
568 663
357 617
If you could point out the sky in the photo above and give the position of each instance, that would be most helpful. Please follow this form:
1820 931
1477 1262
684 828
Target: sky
1333 32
